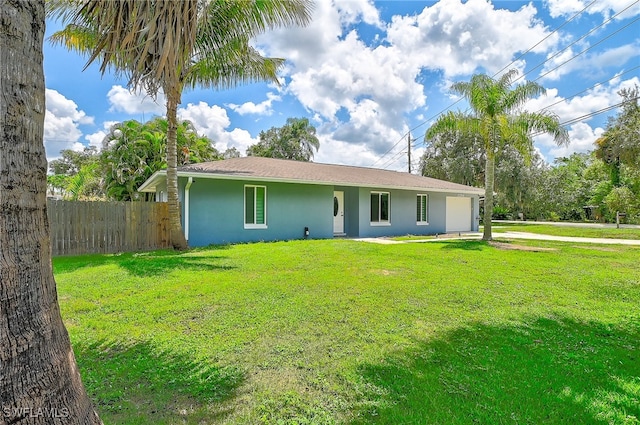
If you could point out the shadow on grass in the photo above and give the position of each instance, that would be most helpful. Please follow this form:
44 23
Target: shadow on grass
137 384
153 263
465 245
547 371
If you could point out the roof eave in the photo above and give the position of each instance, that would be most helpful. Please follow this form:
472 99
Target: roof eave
150 184
208 175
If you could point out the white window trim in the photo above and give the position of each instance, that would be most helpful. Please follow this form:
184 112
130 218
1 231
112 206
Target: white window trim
424 223
244 209
380 222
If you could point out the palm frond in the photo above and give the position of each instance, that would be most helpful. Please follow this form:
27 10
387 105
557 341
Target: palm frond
545 122
234 65
453 122
76 38
519 95
506 80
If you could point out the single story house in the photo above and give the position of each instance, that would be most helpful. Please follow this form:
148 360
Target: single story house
265 199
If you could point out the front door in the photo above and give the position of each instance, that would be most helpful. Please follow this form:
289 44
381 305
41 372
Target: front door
338 212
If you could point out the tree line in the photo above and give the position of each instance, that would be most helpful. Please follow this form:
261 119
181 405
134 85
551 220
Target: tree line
132 151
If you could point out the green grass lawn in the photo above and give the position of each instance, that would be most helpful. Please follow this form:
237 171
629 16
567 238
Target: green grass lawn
577 231
338 331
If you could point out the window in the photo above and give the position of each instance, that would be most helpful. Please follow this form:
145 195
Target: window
255 207
380 208
422 209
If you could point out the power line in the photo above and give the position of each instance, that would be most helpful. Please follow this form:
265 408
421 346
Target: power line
587 49
523 54
595 85
589 88
392 160
582 117
549 35
594 113
417 141
578 40
390 149
512 62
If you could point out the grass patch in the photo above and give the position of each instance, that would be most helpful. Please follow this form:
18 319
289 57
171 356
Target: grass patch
338 331
568 230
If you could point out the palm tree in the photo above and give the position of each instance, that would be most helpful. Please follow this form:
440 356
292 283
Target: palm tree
303 135
295 140
498 120
39 380
133 151
173 45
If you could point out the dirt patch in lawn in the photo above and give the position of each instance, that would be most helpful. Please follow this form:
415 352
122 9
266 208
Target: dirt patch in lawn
502 245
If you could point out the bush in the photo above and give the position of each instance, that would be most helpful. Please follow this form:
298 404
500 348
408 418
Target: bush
621 199
553 216
501 213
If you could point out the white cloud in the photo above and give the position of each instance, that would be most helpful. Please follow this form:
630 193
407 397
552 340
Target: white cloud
341 81
59 105
213 121
607 8
336 152
582 135
96 139
362 92
592 63
123 100
61 124
307 46
591 101
354 11
367 127
262 108
459 38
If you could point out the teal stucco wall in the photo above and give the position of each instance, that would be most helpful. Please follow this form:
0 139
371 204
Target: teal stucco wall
402 214
216 212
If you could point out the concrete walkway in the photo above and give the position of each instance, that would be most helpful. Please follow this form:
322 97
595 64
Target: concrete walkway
604 241
508 235
568 224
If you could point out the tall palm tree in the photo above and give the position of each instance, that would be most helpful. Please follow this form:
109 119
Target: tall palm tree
303 134
39 379
172 45
496 117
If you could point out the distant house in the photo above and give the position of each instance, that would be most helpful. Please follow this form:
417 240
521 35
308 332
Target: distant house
264 199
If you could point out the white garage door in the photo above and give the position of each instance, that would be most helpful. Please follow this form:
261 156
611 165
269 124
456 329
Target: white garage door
458 214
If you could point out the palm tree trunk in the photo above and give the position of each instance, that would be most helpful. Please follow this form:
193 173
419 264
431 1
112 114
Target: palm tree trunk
175 224
489 172
39 379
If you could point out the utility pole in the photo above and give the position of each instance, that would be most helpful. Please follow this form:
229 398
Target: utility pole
409 151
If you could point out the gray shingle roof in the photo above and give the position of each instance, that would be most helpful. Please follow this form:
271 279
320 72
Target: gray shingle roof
269 169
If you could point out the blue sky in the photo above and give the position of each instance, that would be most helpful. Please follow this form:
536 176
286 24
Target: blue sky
367 72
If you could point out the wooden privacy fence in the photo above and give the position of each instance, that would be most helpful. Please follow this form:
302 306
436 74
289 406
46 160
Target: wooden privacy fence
79 227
